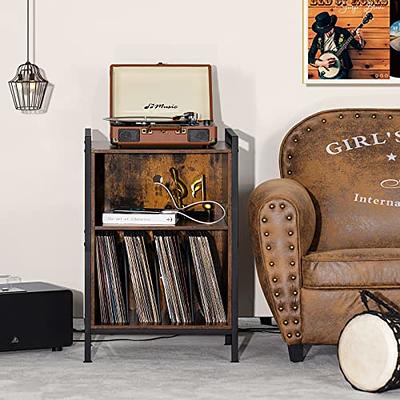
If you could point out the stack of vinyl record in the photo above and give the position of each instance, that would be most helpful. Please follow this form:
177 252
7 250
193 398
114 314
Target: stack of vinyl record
112 305
147 307
173 282
173 273
207 281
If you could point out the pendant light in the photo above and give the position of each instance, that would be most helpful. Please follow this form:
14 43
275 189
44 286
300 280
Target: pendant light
28 87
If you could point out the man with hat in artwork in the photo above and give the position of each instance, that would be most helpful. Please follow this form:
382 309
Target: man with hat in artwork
330 37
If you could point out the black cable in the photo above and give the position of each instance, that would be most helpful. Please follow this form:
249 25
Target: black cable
126 339
260 330
271 329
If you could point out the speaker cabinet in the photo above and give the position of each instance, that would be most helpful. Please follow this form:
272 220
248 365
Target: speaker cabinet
37 318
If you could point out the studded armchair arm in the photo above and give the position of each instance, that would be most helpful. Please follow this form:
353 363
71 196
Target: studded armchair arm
282 224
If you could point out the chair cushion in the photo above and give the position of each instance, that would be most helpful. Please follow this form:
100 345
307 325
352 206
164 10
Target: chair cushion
352 268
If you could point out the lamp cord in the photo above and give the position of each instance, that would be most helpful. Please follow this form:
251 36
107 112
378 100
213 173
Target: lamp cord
27 30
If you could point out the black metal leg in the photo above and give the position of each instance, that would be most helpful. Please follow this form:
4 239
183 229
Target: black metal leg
88 227
58 348
298 352
266 321
235 347
228 340
233 139
88 346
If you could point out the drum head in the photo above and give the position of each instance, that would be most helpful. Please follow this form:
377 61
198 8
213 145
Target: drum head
368 352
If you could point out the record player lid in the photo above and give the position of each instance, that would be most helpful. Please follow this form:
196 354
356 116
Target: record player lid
162 90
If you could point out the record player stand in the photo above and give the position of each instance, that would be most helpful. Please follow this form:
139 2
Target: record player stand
220 162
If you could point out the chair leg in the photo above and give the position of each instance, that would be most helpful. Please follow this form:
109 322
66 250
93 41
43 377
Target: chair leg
297 352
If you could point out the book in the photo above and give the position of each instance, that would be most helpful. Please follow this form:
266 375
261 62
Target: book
140 217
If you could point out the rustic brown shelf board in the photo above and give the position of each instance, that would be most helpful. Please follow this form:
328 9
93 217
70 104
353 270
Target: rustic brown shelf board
106 147
155 327
181 226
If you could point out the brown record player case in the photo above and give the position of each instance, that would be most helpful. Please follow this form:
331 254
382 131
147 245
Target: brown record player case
145 100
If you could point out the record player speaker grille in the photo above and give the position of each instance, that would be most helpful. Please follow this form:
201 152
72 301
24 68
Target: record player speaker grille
128 135
198 135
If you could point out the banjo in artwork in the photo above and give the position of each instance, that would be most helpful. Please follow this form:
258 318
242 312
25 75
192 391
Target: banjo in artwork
334 70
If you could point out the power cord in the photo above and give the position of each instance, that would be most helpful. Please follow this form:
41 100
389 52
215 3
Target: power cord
271 330
126 339
260 330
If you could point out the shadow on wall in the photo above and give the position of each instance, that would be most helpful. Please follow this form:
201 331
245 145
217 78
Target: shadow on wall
246 259
99 135
246 185
77 303
46 101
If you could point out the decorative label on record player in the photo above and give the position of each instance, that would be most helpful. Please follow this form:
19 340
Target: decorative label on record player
157 106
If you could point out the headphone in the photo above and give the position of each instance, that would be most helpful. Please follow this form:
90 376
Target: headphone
158 181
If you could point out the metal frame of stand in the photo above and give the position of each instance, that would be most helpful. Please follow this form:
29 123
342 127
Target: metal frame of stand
231 335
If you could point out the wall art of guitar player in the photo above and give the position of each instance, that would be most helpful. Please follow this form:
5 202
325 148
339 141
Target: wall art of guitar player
347 41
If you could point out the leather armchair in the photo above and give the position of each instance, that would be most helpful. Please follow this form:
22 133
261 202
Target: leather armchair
327 228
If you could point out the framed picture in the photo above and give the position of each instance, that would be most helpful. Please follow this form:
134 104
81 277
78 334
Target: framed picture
349 42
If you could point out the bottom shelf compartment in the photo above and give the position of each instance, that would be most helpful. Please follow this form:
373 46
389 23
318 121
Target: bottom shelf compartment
153 328
161 281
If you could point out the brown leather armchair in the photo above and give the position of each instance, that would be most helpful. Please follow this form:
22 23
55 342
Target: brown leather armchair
330 225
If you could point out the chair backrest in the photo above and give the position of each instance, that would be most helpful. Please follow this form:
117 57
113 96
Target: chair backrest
349 161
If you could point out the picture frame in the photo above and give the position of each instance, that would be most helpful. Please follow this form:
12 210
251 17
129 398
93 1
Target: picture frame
364 62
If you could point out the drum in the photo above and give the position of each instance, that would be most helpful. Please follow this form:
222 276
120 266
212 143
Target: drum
369 349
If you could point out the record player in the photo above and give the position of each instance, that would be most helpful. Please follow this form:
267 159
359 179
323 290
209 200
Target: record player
161 106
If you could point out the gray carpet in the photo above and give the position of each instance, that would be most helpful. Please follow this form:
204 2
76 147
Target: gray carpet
177 368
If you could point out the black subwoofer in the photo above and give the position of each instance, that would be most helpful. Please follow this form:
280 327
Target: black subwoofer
39 317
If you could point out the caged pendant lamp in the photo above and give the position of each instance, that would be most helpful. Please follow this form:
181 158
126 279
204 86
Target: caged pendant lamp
28 87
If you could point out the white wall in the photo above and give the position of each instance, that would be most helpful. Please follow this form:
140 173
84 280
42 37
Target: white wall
256 48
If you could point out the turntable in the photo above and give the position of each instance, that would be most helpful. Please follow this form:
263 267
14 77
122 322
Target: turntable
161 106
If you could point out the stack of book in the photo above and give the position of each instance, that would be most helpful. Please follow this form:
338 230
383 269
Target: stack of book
112 305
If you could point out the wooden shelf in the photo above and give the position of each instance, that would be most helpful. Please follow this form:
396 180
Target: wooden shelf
103 147
181 226
158 327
